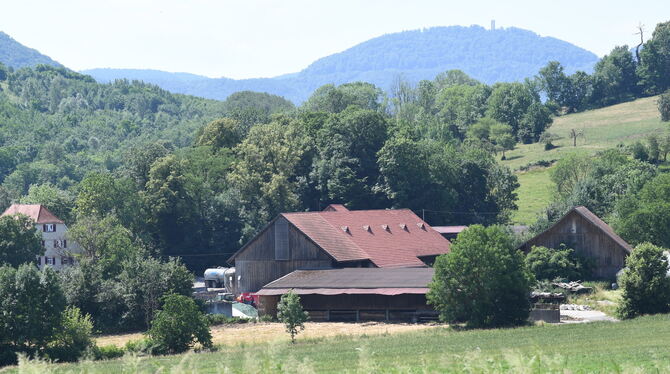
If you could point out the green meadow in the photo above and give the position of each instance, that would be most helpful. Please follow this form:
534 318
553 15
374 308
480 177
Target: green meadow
617 125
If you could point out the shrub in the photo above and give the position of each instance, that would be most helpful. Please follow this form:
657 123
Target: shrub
645 283
548 263
483 281
144 345
222 319
73 338
179 325
107 352
290 313
664 106
639 151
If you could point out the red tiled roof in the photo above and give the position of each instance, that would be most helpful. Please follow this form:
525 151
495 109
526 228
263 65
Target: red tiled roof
449 229
335 208
37 212
388 238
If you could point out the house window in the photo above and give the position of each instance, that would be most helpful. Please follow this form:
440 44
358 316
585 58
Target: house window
64 260
49 227
59 244
50 260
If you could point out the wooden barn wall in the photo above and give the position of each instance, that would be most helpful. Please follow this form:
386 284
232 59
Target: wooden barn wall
257 265
353 302
587 240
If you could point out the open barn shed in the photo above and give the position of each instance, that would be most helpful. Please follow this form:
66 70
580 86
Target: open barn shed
355 294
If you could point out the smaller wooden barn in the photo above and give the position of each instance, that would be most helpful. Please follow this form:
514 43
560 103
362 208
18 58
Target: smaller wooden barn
589 236
355 294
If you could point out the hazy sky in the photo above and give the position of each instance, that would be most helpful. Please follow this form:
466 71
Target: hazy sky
262 38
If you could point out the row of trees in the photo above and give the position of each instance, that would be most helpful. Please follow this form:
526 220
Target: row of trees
619 76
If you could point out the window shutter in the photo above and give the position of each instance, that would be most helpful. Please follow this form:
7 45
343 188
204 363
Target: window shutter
44 228
39 260
64 243
55 227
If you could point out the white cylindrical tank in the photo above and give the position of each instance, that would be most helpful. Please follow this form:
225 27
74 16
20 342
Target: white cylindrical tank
215 277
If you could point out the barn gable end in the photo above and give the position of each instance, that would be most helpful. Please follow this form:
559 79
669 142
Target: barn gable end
590 237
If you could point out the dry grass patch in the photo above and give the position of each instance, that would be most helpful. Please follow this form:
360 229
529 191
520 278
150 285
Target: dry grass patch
254 333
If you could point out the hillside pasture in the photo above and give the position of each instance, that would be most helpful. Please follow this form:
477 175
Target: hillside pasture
617 125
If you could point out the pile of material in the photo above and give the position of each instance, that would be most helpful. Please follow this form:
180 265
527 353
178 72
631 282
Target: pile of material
575 307
547 297
574 287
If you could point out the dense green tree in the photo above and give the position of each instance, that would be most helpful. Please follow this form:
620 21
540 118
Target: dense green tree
645 216
59 202
19 240
614 77
654 69
73 338
143 283
664 106
220 133
460 106
645 283
179 325
549 264
454 77
569 170
31 305
554 82
290 313
533 123
335 99
138 160
483 281
508 104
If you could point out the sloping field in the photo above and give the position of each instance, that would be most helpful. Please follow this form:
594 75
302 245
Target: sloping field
604 128
637 346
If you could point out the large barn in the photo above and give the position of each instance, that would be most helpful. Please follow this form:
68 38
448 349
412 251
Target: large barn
336 238
589 236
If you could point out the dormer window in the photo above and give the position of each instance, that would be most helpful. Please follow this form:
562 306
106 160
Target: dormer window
49 227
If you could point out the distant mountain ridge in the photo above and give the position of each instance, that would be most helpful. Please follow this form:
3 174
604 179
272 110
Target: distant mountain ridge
500 55
16 55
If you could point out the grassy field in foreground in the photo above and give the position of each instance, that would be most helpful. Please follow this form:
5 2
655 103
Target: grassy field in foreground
639 345
602 128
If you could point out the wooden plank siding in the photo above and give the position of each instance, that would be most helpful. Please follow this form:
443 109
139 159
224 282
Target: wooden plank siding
257 265
587 240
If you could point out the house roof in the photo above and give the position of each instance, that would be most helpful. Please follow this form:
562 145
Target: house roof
388 238
352 281
596 221
449 229
37 212
335 208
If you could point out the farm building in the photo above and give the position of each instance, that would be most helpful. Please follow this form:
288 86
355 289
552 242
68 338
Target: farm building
589 236
336 238
449 232
355 294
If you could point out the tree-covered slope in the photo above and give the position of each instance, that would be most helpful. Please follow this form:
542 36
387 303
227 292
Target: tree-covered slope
501 55
16 55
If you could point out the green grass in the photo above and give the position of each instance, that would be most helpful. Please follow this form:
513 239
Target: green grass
604 128
639 345
534 193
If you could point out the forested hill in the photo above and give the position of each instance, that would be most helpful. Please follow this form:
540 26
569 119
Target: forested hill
502 55
16 55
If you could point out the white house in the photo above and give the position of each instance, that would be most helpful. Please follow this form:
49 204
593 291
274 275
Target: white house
58 250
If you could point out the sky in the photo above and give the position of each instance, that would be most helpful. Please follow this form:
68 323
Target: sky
265 38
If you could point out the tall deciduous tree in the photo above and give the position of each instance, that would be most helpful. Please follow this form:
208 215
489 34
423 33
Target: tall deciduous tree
645 283
483 281
19 240
654 70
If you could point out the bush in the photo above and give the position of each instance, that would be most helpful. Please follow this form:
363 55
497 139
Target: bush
222 319
179 325
290 313
73 338
645 283
483 281
107 352
144 345
664 106
548 263
639 151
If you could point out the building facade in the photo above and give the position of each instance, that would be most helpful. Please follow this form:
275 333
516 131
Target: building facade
58 250
590 237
